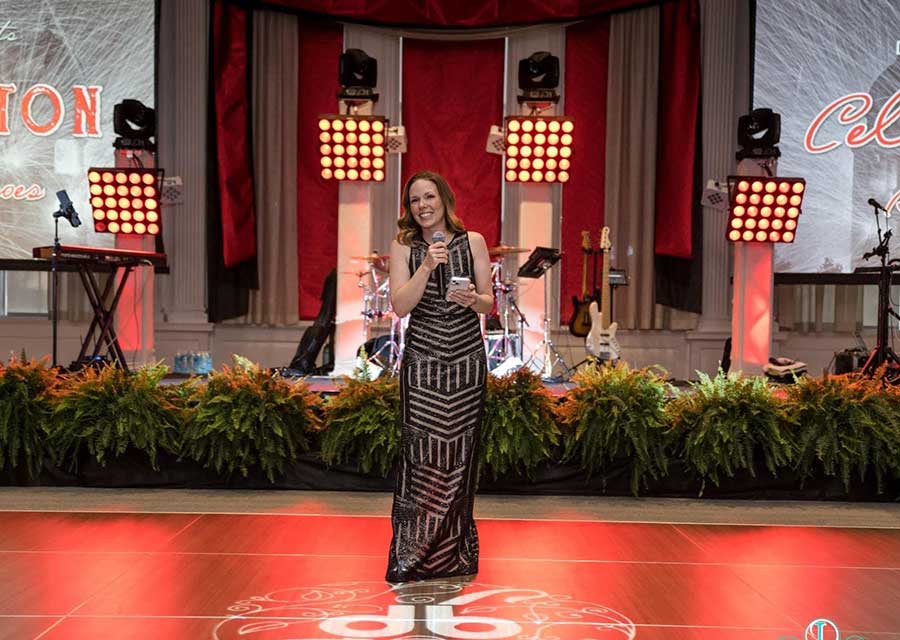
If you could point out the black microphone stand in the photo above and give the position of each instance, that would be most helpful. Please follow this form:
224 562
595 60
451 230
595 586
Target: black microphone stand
54 278
882 353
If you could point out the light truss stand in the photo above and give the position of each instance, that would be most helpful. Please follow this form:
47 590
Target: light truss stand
753 293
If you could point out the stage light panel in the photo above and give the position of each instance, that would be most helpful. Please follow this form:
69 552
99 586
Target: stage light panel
764 209
122 198
350 147
538 148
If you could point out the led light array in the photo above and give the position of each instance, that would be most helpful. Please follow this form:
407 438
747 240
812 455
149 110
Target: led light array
125 200
352 147
538 148
764 209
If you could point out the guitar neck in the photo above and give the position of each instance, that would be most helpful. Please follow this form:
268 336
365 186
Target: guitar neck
584 274
605 293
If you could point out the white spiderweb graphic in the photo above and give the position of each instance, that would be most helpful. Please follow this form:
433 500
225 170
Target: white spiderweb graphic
807 55
61 43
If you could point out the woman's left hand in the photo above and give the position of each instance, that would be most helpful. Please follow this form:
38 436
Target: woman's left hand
464 298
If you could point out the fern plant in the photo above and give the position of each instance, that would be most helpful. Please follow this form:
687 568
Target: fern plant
244 417
616 412
26 390
110 410
725 423
846 425
519 429
362 424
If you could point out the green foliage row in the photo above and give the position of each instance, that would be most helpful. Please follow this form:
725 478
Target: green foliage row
243 418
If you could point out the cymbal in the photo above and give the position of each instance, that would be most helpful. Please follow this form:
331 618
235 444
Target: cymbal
503 250
378 261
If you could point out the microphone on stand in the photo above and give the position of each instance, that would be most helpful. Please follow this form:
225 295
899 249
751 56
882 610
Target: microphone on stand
874 203
438 236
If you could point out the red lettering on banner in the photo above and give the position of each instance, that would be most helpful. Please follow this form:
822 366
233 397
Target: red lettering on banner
848 114
87 111
894 203
56 102
851 108
86 107
21 192
5 91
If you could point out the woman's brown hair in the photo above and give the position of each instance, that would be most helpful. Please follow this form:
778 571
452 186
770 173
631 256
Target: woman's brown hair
408 225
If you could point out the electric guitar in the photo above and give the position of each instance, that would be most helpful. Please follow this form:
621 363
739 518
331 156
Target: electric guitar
601 340
580 324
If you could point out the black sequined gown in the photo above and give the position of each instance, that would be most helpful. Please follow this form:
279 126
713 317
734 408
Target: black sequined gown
442 388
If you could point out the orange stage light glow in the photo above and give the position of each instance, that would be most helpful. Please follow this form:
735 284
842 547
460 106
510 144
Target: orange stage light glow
128 194
764 209
536 146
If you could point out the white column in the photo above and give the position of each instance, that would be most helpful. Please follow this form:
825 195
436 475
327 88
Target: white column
723 100
182 123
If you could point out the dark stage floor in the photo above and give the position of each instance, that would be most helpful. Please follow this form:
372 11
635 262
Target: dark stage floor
318 574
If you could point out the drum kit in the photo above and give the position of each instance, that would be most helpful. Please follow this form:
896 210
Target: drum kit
384 332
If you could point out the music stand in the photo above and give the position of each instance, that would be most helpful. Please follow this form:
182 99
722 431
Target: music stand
538 264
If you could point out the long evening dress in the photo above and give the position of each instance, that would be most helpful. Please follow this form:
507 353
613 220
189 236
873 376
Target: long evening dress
442 390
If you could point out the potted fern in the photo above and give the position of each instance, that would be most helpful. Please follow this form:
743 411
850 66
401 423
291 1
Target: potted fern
615 413
243 417
362 424
847 426
519 430
728 423
109 411
26 392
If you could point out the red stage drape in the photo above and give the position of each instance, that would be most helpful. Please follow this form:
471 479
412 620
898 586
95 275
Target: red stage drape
321 43
232 107
452 94
458 13
587 59
679 100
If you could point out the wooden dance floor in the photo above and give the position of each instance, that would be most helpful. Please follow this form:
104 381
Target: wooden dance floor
309 571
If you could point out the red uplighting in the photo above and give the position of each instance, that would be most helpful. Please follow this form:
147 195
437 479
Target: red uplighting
764 209
129 193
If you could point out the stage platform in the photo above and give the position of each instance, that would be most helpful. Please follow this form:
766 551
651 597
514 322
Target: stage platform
81 564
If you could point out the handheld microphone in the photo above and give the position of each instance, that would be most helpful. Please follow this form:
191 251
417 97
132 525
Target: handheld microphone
874 203
438 236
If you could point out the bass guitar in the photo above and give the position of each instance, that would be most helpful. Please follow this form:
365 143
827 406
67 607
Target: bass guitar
601 340
580 324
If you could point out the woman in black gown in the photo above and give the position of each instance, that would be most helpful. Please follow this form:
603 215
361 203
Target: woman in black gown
442 384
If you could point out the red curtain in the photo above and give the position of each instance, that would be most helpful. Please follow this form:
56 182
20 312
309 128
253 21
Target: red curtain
452 94
459 13
321 43
587 58
232 107
679 101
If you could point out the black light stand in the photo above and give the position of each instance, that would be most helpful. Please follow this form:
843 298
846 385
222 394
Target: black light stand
66 210
882 353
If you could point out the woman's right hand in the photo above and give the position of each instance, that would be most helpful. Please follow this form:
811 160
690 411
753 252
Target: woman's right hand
437 254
